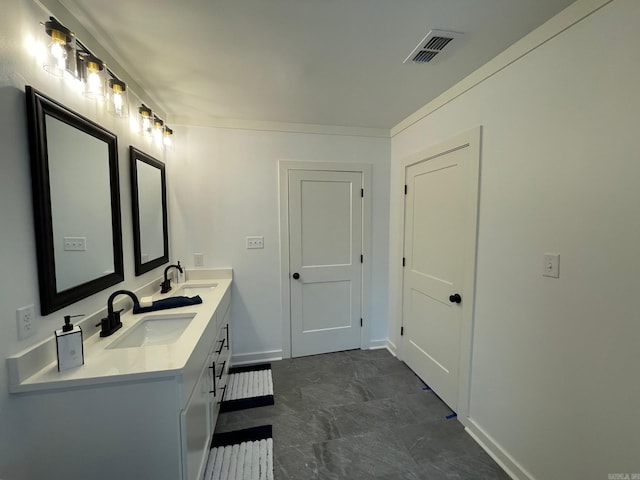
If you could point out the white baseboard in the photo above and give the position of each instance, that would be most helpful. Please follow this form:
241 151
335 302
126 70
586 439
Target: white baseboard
495 451
377 344
256 357
392 348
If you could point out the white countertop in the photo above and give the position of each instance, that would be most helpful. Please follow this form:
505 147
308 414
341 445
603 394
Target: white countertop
103 365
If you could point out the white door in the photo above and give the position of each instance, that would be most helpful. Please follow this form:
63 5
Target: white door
325 247
438 207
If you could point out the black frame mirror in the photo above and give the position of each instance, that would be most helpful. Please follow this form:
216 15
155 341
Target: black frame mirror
58 137
149 204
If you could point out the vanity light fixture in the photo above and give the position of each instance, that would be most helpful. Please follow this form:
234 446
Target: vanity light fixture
144 120
118 98
94 76
61 50
67 56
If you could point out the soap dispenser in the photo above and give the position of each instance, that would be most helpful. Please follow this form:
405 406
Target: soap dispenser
69 345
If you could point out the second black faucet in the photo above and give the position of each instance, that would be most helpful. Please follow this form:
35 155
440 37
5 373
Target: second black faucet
166 285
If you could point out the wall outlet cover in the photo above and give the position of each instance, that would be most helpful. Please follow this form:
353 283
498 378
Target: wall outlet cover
25 317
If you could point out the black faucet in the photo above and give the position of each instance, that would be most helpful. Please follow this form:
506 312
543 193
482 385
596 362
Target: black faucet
166 285
112 322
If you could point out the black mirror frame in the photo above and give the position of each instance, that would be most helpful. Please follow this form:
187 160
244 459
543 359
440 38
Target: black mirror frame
38 106
140 268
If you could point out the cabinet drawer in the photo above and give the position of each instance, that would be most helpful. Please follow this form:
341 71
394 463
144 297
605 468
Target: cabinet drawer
219 371
196 430
221 344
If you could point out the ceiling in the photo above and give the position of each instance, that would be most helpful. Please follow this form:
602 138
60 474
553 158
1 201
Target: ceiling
323 62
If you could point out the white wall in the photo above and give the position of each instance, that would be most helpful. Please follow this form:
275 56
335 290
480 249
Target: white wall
225 187
554 376
19 285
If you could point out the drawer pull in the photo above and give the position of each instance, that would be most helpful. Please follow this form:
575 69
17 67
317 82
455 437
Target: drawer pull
222 370
224 390
221 342
213 367
226 327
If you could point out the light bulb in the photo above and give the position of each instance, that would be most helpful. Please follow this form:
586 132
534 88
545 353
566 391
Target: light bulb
117 103
168 138
158 130
94 77
144 116
94 82
58 52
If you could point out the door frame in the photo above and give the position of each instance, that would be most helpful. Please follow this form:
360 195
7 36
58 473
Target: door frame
284 167
470 139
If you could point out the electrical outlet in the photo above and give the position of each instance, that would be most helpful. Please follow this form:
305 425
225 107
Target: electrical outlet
198 259
255 242
25 317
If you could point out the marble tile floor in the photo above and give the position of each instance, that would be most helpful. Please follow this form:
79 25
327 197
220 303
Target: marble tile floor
361 414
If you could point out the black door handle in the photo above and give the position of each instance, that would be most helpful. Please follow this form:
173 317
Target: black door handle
296 276
455 298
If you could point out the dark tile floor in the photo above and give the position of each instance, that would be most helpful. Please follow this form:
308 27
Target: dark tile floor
361 414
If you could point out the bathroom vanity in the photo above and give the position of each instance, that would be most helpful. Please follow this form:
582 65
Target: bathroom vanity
144 404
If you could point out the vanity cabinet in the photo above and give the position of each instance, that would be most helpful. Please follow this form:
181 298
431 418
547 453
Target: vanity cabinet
154 423
198 419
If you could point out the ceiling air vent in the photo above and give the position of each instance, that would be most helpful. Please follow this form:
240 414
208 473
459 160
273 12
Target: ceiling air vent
431 46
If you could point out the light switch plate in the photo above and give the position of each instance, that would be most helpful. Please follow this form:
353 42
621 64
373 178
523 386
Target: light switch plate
75 244
551 265
255 242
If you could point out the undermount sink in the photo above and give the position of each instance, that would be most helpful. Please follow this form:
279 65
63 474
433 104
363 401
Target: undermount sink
155 330
193 290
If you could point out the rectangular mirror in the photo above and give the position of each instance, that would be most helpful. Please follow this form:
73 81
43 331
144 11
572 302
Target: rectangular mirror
149 202
76 203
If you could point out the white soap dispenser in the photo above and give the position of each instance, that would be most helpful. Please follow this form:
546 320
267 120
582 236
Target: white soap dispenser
69 345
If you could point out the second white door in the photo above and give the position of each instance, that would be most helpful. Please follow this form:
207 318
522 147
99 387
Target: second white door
325 248
439 207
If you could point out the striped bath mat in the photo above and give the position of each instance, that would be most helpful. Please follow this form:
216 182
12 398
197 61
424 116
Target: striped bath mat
248 387
241 455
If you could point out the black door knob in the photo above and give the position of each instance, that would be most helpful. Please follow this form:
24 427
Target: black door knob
296 276
455 298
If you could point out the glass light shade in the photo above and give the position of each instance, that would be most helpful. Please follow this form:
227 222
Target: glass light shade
61 51
118 98
158 130
167 140
145 120
94 77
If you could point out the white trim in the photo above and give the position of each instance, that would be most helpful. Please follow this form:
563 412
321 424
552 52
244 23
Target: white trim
393 349
378 344
571 15
472 140
256 357
495 451
241 124
283 188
